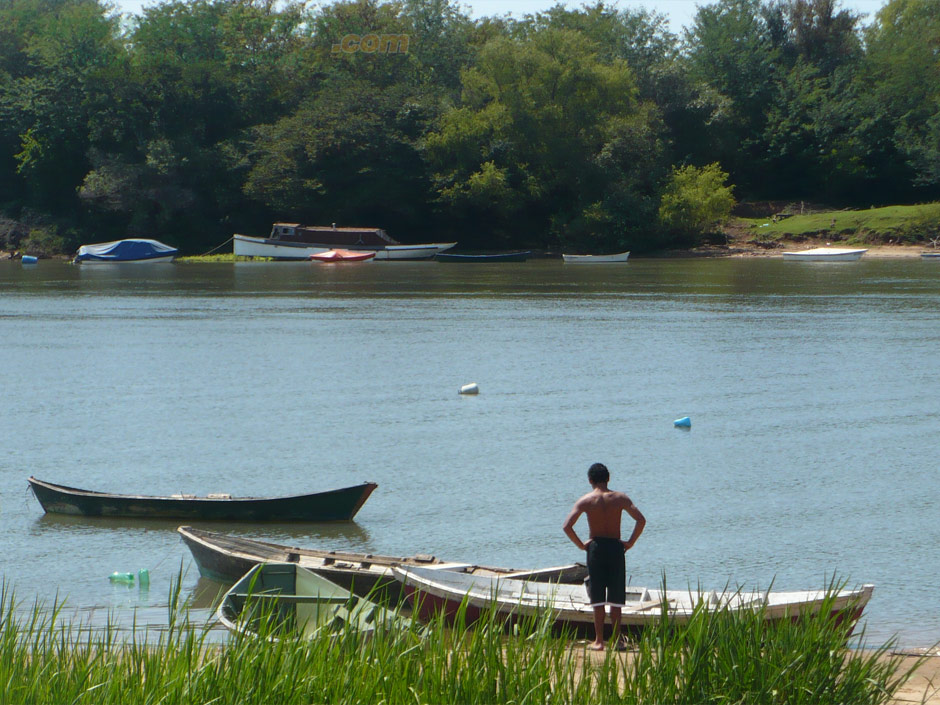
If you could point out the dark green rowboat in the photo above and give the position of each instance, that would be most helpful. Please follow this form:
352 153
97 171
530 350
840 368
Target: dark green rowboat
332 505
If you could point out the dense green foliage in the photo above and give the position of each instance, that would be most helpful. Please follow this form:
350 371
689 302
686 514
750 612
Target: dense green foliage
718 657
200 118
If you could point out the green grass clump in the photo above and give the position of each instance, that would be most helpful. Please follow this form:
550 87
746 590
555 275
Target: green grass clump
718 657
222 257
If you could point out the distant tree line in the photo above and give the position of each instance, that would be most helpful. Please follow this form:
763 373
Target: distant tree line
596 129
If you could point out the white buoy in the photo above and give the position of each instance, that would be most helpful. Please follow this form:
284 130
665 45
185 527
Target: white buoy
471 388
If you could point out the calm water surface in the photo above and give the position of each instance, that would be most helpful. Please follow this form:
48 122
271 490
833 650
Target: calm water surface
812 388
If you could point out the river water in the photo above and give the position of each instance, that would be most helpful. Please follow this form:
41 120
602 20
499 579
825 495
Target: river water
812 389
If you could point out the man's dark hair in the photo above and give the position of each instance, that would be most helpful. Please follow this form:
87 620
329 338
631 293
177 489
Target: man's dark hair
598 472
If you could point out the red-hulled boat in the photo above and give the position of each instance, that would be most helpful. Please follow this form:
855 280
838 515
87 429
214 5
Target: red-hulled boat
341 256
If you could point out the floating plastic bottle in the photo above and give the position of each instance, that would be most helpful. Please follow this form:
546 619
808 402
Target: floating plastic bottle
684 422
471 388
143 577
126 578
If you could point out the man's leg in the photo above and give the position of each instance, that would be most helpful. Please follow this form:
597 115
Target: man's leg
615 625
598 644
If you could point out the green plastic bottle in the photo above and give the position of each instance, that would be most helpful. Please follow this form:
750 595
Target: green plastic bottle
127 578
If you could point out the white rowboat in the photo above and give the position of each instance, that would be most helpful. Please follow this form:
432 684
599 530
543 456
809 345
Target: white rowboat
825 254
595 259
432 592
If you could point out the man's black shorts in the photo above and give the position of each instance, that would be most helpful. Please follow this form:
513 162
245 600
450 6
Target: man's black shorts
607 573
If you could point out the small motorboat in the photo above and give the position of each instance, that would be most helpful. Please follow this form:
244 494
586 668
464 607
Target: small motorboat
341 256
126 251
298 602
595 259
825 254
433 592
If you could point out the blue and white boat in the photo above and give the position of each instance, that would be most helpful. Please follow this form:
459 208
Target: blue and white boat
119 251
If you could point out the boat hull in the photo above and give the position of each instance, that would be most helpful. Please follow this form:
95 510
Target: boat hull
433 595
245 246
596 259
823 254
334 505
297 602
335 256
145 260
225 559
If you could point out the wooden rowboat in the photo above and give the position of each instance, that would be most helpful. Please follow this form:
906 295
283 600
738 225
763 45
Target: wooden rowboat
432 592
595 259
226 558
341 256
333 505
300 603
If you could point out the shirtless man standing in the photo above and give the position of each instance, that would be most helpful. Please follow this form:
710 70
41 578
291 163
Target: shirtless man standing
605 550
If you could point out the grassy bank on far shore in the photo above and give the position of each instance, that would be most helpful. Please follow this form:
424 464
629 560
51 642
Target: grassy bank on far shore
718 657
891 225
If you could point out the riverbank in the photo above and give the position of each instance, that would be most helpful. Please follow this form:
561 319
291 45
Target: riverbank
743 249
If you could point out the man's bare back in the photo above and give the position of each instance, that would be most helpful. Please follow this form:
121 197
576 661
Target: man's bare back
603 509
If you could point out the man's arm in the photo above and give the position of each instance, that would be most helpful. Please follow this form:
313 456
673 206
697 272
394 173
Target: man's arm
568 526
637 515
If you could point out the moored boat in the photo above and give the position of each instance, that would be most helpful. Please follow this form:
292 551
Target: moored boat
930 255
332 505
825 254
289 241
298 602
226 558
126 251
500 257
596 259
432 592
341 256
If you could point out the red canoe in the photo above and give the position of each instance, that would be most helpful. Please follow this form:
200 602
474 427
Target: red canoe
342 256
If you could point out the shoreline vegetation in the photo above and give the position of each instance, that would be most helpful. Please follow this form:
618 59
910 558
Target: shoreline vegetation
887 232
585 130
718 657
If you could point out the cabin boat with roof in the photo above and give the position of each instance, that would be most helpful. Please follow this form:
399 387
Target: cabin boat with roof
294 241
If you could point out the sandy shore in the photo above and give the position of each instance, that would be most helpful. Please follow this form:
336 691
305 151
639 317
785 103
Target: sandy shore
923 686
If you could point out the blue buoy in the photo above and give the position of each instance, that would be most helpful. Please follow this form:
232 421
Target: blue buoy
29 259
684 422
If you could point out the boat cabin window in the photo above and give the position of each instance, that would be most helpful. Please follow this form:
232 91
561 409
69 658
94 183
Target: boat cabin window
279 230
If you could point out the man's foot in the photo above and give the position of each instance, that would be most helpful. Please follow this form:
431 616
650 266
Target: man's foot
596 646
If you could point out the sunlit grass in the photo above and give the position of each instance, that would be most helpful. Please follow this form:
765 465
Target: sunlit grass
717 657
902 223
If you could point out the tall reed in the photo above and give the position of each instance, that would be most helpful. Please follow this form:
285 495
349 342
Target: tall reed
717 657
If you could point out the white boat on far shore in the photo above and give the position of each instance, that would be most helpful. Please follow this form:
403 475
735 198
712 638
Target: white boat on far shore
293 241
595 259
825 254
